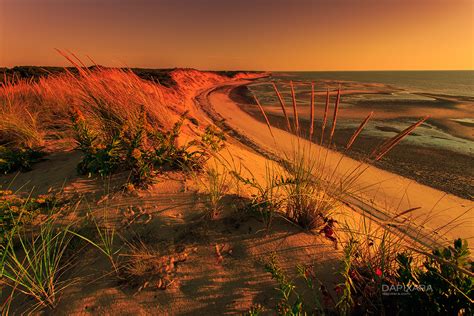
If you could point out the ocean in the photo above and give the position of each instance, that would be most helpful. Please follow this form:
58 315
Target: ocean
447 96
439 153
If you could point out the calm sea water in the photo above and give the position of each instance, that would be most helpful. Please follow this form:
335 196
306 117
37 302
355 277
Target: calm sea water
391 90
456 83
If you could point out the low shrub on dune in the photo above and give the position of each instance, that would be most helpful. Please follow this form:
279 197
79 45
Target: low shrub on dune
16 210
112 102
137 147
18 159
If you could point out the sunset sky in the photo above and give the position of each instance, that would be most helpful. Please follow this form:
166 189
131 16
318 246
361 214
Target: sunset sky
243 34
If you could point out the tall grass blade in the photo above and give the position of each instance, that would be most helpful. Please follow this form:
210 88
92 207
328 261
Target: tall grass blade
358 131
295 110
264 115
283 107
382 150
325 117
311 115
334 117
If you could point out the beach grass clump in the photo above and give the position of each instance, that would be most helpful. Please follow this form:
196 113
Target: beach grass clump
217 184
34 264
21 123
22 137
266 196
314 180
309 200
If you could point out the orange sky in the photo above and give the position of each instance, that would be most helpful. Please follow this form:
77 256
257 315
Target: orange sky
244 34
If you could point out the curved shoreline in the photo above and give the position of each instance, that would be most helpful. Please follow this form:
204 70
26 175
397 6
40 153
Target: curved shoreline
390 188
428 165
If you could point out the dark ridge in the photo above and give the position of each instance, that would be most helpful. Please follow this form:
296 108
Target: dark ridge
163 76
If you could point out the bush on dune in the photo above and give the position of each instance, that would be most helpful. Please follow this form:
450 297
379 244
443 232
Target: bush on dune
112 101
137 147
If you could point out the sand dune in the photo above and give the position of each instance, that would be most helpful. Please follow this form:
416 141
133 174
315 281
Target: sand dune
379 191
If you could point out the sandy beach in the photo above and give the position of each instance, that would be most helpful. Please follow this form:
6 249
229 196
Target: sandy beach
175 258
251 157
387 192
438 167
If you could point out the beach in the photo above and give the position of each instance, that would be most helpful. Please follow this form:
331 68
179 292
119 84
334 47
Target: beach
174 255
443 163
384 192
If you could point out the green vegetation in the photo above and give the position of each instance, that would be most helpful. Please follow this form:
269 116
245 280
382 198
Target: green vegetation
15 211
36 267
290 301
12 160
136 147
305 299
266 201
443 283
123 124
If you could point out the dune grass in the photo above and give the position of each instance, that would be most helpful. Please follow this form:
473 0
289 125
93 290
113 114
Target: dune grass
112 102
37 266
122 123
313 189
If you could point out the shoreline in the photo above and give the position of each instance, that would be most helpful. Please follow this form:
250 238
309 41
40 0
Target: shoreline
413 161
379 194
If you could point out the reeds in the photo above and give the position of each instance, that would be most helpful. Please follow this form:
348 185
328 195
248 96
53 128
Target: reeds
334 116
313 185
388 145
283 107
295 109
358 131
311 114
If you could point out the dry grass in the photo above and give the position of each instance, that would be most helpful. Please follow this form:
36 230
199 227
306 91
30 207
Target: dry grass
314 186
35 112
145 267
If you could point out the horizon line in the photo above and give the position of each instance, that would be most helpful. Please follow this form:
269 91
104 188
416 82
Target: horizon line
243 70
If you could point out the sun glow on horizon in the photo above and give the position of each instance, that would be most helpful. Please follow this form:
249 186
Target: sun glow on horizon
273 35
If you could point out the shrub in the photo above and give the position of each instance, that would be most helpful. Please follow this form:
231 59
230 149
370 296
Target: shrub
169 154
15 211
134 146
443 286
19 159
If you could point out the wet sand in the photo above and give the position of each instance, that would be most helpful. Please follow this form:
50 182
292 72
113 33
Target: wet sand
446 170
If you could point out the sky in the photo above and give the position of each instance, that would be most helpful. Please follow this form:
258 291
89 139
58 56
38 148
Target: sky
285 35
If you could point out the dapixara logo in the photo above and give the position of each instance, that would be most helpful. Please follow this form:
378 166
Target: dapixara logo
401 289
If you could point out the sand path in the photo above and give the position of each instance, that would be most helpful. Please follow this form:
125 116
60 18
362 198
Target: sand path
382 194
